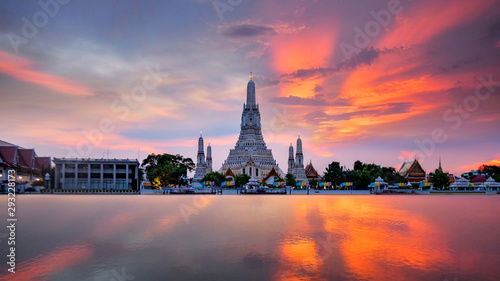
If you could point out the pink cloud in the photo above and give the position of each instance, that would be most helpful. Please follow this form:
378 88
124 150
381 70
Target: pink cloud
20 68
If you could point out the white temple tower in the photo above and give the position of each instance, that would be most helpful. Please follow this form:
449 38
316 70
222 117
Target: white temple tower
291 161
298 168
250 155
201 165
209 158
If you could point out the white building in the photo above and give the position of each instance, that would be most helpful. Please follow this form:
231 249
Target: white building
104 174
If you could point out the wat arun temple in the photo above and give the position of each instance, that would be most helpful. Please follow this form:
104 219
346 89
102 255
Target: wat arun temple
250 155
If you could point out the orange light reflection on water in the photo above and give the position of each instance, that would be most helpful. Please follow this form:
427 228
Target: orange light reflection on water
375 238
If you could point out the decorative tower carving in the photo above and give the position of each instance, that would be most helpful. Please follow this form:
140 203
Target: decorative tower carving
201 165
209 158
291 162
299 171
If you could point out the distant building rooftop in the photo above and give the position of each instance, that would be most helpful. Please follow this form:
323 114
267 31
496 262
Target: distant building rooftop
95 160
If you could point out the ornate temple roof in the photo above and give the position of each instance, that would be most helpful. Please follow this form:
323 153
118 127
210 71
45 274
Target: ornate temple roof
272 173
410 167
229 173
412 171
311 173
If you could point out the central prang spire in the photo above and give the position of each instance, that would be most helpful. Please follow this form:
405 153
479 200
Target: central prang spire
251 92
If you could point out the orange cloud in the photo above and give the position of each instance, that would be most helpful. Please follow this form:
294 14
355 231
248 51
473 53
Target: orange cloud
413 25
19 68
307 49
385 80
494 162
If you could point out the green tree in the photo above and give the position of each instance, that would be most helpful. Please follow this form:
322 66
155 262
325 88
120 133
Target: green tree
167 169
489 170
333 174
241 180
497 178
349 175
313 183
290 180
363 178
468 175
364 173
390 176
358 165
216 177
440 179
374 170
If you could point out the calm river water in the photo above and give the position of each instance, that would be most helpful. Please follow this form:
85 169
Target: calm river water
251 237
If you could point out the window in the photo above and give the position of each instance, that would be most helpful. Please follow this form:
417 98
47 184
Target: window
121 184
250 171
69 184
256 172
108 175
83 166
70 166
95 175
83 175
244 171
82 184
95 166
108 166
69 175
120 167
108 184
95 184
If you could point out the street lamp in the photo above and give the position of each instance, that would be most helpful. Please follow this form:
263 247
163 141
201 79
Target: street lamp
47 181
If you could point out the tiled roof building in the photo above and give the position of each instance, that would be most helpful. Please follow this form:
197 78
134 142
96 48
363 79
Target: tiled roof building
26 162
412 171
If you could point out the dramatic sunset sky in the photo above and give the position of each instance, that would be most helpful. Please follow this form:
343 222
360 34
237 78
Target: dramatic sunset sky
430 69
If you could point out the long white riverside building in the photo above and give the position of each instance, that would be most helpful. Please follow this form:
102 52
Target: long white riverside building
104 174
